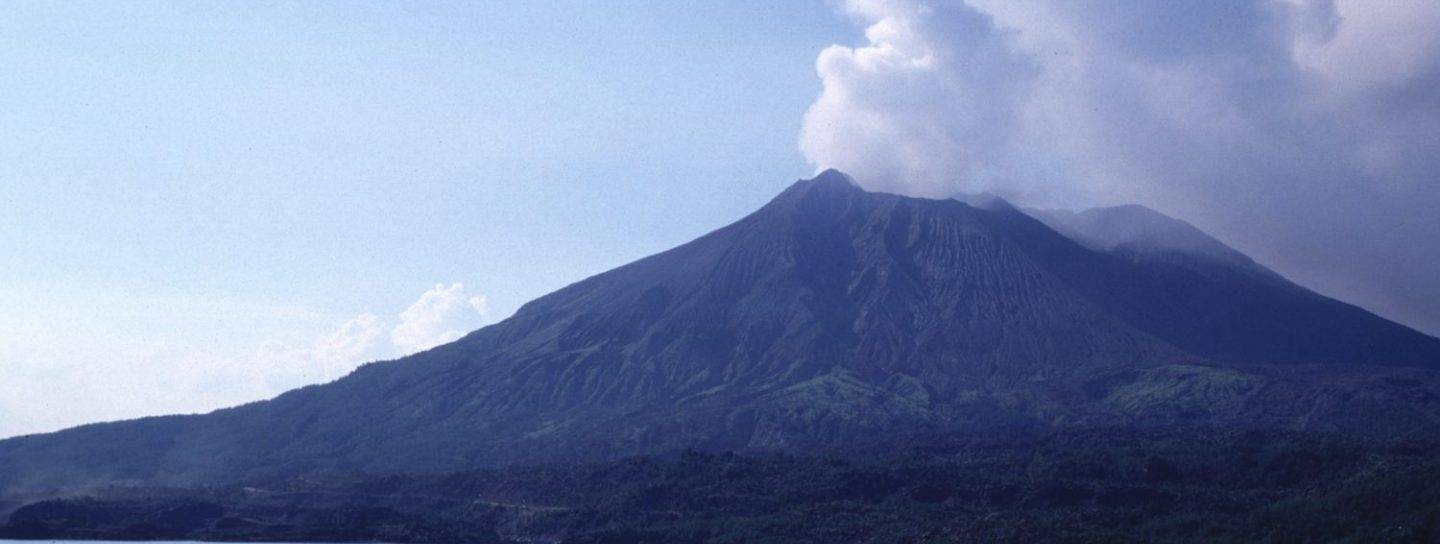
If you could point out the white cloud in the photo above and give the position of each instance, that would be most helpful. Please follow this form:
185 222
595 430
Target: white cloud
65 372
329 357
1306 132
430 321
909 113
480 304
352 340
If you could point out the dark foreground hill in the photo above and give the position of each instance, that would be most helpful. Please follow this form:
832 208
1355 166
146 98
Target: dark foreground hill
829 316
1110 485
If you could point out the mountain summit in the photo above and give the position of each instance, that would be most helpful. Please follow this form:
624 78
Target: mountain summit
830 315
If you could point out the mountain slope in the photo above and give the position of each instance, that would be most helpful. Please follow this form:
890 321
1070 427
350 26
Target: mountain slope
1213 301
1135 229
829 315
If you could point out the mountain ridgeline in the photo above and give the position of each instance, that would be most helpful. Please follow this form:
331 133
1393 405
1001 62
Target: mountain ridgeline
831 315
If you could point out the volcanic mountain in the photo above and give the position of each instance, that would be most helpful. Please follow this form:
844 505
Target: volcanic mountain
828 316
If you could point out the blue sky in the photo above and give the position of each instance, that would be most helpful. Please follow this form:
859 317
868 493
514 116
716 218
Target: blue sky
340 158
182 183
203 204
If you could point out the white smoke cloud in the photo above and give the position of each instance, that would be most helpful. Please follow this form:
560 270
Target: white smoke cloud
914 114
1305 132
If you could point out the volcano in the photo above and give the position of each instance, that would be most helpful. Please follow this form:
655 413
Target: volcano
829 316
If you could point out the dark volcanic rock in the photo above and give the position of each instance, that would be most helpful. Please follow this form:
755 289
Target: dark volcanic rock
828 316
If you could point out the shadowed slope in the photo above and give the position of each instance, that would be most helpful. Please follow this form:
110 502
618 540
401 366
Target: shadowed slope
1136 229
1190 289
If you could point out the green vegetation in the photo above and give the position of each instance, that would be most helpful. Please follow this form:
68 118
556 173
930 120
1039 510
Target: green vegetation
1179 389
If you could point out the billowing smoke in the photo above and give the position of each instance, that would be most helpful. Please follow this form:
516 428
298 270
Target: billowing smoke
932 100
1305 132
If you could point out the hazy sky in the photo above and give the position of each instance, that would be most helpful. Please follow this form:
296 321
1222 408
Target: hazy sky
208 203
203 204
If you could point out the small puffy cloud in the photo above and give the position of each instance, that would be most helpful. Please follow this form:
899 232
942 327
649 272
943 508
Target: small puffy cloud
329 357
53 375
433 320
442 314
480 304
353 339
